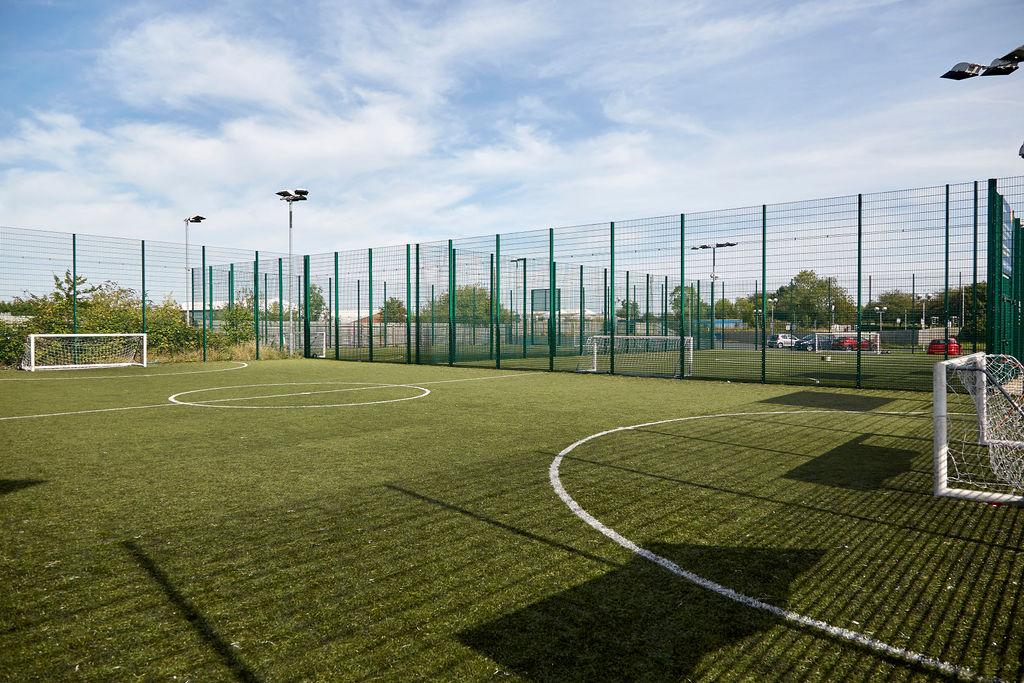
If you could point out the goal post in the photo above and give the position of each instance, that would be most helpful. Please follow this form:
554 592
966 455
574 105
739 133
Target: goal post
83 351
979 428
644 355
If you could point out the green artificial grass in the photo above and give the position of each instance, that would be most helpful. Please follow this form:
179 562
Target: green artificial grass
421 539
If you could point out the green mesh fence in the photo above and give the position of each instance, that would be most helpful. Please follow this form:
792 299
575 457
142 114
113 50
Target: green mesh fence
845 291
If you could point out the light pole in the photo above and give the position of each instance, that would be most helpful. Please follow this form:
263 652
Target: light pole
522 316
771 302
880 311
1003 66
924 299
188 271
291 196
714 276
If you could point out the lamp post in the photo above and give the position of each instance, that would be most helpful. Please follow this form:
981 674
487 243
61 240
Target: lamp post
1002 66
924 299
188 271
714 276
880 309
771 302
291 196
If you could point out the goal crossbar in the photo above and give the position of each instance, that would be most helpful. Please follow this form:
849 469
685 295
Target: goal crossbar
663 355
83 351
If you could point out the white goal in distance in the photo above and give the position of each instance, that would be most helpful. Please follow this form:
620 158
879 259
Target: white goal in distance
979 428
83 351
647 355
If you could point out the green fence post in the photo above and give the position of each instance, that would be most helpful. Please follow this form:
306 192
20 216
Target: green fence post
647 305
369 296
408 303
583 308
697 304
359 327
74 283
280 305
626 307
490 310
384 316
306 351
231 288
945 286
974 285
204 303
764 290
452 319
337 326
472 317
611 285
523 316
682 294
418 329
551 300
211 298
256 301
496 301
994 276
144 286
860 281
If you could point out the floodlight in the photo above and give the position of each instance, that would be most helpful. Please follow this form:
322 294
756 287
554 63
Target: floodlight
1000 67
963 70
195 219
302 193
1022 151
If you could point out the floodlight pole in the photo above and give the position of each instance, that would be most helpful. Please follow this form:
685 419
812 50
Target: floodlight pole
771 302
714 276
188 273
291 196
880 311
1002 66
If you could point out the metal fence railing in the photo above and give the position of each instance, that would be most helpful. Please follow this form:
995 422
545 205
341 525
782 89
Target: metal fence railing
845 291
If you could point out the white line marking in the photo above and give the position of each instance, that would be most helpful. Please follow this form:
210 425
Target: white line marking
474 379
837 631
151 374
82 412
208 404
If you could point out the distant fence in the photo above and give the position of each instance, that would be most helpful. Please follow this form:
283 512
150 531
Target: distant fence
914 264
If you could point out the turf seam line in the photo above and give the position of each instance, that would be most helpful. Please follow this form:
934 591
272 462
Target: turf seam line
82 412
849 635
151 374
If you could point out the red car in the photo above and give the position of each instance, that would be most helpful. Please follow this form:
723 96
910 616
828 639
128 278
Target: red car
944 346
850 344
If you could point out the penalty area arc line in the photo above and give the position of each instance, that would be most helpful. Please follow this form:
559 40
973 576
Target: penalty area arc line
846 634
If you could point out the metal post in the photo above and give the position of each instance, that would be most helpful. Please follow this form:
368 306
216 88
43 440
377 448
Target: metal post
682 293
764 285
408 303
369 295
860 260
291 332
74 283
611 346
551 300
256 301
306 351
280 305
204 303
143 286
496 301
451 304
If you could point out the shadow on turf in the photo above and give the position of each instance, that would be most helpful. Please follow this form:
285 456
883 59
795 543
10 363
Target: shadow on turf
12 485
640 622
855 465
825 400
195 618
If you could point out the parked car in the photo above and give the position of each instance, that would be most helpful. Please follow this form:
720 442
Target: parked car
944 346
781 341
805 344
850 344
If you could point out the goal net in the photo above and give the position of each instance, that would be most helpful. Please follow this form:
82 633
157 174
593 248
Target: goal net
318 345
79 351
661 356
979 428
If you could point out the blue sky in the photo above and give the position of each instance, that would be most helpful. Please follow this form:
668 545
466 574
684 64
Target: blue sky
413 122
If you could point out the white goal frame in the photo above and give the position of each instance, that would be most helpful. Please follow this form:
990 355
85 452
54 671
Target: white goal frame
976 440
318 344
592 353
29 358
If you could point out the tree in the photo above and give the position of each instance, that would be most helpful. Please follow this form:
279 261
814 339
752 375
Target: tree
465 313
630 310
317 305
810 301
392 311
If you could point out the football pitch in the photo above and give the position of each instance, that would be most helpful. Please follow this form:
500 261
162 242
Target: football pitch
322 520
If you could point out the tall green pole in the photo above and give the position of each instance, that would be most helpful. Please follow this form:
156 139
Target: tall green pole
337 325
143 286
497 301
280 304
306 351
860 277
369 294
682 294
408 303
256 301
611 287
359 326
583 309
490 310
552 349
231 287
764 287
995 271
451 304
945 303
418 329
74 283
974 285
647 305
384 315
204 303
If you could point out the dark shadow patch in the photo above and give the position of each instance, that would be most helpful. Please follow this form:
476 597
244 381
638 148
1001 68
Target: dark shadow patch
12 485
194 617
827 400
855 465
641 622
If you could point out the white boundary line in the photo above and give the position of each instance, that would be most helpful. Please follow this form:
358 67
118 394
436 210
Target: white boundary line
817 624
83 412
373 385
149 374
